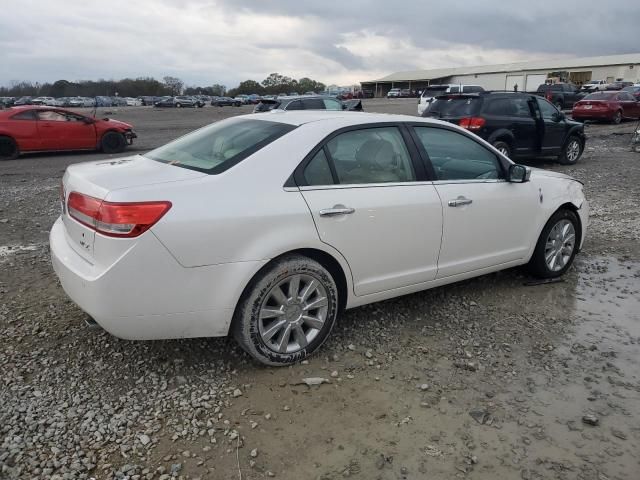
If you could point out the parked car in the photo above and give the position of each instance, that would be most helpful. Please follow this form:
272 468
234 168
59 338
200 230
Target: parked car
242 98
225 102
517 124
118 101
133 102
618 85
311 102
594 85
562 95
7 101
197 102
432 91
393 93
38 128
102 101
177 102
610 106
23 101
50 101
148 100
434 204
633 90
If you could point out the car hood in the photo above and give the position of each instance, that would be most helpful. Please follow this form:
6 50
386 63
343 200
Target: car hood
538 172
115 123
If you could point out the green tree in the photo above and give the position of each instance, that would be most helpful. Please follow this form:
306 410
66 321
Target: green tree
174 84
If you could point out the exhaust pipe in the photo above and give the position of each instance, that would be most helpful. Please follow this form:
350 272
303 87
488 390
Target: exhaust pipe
91 323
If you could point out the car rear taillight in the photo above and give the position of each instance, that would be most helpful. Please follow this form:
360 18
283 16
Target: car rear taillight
114 219
472 123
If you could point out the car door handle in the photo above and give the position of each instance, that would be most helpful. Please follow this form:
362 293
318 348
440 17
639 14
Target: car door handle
460 201
336 210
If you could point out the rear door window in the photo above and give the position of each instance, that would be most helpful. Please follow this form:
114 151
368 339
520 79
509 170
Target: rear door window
371 155
454 107
512 107
317 171
313 104
295 105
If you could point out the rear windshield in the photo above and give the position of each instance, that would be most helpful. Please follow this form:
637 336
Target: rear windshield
601 96
453 106
217 147
433 91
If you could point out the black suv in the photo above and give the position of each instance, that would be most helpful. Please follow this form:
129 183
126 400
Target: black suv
517 124
307 102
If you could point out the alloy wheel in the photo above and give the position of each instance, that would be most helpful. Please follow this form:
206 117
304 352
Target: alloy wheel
560 245
293 313
573 151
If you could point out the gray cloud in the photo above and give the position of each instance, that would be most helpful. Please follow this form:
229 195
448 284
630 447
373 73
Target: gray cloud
205 42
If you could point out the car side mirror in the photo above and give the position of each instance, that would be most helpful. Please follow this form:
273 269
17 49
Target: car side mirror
558 116
519 173
88 120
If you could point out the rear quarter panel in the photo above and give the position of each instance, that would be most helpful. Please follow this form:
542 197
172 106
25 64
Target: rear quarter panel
24 132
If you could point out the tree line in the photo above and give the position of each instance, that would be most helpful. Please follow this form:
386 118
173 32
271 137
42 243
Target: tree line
274 84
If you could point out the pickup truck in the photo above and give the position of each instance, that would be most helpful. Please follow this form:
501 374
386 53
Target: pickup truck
562 95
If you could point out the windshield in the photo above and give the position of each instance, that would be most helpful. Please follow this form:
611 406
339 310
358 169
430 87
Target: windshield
453 106
217 147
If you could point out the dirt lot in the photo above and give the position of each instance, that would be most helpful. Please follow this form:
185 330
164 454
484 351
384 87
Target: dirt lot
489 379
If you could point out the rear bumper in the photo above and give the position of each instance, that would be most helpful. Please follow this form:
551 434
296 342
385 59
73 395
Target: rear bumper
146 294
592 114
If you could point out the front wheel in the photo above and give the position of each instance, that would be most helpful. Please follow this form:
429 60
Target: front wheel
557 245
571 151
8 148
287 311
113 142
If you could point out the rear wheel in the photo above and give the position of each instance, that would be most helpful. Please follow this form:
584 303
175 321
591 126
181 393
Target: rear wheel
617 117
287 311
178 105
503 147
113 142
557 245
571 151
8 148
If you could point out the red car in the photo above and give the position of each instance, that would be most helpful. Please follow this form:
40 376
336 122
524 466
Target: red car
611 106
35 129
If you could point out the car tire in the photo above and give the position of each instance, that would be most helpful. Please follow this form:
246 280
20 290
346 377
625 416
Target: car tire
284 338
617 118
113 142
8 148
178 105
557 246
503 147
571 151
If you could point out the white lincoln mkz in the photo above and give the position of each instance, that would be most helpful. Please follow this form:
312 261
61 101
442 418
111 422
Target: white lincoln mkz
268 225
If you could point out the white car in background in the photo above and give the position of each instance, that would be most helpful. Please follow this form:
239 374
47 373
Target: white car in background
595 85
133 102
267 226
432 91
49 101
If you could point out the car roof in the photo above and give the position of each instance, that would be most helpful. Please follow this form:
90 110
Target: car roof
342 118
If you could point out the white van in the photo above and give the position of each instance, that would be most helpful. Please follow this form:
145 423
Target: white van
428 94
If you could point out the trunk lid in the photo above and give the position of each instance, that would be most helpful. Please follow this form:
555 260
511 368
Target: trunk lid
97 179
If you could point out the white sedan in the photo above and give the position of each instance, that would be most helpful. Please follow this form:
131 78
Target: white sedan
268 225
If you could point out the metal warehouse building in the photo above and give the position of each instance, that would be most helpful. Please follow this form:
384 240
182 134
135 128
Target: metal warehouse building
526 75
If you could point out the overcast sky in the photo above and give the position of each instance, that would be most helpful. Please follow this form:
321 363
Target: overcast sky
205 42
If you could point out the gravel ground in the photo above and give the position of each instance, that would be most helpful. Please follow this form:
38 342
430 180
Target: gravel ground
487 379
